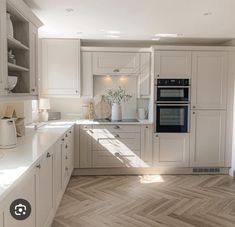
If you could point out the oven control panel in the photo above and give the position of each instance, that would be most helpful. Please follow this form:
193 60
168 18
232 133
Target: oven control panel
173 82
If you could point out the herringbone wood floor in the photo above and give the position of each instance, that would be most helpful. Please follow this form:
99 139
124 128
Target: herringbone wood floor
132 201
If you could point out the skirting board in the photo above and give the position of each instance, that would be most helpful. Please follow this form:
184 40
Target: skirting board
139 171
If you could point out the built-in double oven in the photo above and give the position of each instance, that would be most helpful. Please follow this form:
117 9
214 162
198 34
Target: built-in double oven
172 100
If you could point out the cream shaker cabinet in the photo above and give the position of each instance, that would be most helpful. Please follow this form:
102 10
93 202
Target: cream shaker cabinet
116 63
171 149
60 67
209 80
173 64
85 137
44 190
24 190
207 138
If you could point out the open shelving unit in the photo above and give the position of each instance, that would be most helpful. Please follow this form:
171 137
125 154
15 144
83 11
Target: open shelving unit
19 45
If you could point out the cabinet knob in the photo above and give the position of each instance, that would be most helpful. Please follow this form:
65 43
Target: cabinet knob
76 91
117 154
116 70
48 155
117 136
193 112
157 136
70 132
66 157
66 135
158 75
147 127
38 166
66 146
194 107
62 139
33 90
66 168
116 127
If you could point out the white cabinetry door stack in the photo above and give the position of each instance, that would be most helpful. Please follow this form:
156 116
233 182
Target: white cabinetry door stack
44 190
173 64
207 140
146 144
60 62
24 190
171 149
209 80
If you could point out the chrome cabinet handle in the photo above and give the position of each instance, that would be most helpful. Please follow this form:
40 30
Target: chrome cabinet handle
194 113
66 157
157 136
48 155
116 70
194 107
38 166
117 136
117 154
116 127
70 132
62 139
66 135
33 90
146 127
66 146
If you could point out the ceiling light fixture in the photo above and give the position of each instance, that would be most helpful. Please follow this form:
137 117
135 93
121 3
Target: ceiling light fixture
69 10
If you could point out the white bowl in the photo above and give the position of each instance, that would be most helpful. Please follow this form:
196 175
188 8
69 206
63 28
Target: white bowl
11 82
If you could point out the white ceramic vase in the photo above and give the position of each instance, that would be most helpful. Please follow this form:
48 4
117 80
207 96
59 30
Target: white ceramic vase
116 112
10 31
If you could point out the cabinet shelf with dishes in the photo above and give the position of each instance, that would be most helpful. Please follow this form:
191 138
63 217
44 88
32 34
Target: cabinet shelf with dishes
19 49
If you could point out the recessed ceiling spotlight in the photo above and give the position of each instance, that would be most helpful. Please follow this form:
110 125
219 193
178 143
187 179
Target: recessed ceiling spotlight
170 35
113 32
114 36
69 10
207 13
156 39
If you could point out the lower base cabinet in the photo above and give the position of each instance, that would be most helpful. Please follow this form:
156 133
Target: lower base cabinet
24 190
207 139
171 150
1 218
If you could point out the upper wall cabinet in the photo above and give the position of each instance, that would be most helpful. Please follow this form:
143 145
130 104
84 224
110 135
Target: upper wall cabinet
173 64
116 63
18 49
209 80
60 65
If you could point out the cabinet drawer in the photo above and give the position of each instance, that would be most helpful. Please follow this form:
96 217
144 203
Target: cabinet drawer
118 128
117 142
103 159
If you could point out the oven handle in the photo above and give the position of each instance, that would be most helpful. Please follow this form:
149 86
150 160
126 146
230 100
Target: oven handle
179 104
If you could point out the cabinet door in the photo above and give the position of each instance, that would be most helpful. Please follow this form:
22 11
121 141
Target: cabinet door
76 146
45 190
116 63
207 138
60 67
1 217
85 146
87 75
3 48
171 150
144 78
146 144
173 64
33 46
24 190
209 80
57 173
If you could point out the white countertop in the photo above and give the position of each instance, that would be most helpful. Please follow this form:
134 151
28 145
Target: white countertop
15 163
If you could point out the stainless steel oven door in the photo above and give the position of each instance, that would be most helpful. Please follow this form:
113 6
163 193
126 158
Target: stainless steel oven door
172 94
171 118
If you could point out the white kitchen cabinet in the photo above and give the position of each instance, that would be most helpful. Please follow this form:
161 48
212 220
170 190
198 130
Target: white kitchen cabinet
171 149
60 62
44 190
106 63
57 173
85 136
86 74
33 46
209 80
76 146
1 217
3 48
173 64
24 190
145 76
207 138
147 144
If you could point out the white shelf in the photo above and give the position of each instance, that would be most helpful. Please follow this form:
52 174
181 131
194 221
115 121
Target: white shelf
13 67
15 44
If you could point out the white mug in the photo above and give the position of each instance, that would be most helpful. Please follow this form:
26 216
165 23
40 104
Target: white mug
141 114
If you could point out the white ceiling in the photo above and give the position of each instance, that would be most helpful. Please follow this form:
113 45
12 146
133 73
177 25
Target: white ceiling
135 19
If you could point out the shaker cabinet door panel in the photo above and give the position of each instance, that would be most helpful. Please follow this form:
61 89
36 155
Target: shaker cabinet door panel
173 64
60 67
209 80
171 150
116 63
207 138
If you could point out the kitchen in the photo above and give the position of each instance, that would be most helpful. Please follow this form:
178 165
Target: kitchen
104 127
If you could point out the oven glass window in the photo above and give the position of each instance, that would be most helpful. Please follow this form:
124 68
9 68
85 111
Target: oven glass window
172 116
165 93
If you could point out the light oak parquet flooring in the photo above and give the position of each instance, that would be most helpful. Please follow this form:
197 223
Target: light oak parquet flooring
148 201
